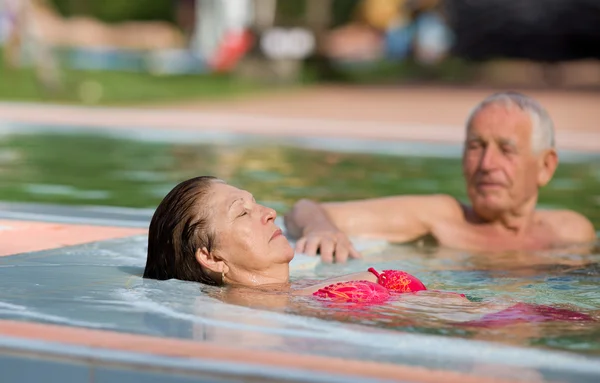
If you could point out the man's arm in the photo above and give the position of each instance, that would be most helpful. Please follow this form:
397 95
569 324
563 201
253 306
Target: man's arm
398 219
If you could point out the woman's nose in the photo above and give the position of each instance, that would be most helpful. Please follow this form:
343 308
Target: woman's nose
269 214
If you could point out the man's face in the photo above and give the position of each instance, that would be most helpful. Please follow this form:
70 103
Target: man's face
501 170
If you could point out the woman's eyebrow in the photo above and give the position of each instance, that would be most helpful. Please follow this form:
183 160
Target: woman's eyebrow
251 197
234 201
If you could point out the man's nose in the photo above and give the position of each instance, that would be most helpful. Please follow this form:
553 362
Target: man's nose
488 159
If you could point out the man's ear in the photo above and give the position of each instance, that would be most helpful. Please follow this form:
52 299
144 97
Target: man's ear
209 261
548 165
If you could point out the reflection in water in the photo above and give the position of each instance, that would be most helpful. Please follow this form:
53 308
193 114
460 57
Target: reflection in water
90 169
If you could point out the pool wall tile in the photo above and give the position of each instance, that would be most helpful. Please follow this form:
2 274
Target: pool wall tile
25 369
111 375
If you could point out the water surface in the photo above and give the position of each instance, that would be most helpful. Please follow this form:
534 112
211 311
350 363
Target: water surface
102 170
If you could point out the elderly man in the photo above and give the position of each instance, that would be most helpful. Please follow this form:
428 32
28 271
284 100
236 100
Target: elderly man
508 155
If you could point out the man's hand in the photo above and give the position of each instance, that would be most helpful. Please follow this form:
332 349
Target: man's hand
332 244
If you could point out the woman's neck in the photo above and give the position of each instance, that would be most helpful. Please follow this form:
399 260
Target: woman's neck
276 275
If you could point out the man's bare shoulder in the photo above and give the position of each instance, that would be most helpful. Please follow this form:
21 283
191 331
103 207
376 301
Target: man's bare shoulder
570 225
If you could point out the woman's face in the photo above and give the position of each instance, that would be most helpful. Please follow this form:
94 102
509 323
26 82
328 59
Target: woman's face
247 238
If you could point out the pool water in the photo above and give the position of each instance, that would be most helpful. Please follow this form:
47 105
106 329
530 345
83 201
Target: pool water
99 286
562 280
107 170
112 171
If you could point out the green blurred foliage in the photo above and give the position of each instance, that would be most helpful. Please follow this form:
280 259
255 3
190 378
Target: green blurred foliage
121 88
119 10
288 11
343 11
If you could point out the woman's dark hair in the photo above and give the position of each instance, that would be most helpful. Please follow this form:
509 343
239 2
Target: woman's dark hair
178 228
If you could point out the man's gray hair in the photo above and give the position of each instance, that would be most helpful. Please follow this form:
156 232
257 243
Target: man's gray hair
542 134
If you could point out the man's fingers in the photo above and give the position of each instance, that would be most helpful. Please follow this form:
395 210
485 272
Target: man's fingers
300 245
353 253
312 245
341 253
338 248
327 248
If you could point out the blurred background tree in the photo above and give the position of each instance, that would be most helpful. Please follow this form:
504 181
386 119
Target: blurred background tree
113 11
165 10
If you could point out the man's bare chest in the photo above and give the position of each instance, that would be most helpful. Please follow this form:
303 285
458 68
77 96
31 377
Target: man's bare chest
465 235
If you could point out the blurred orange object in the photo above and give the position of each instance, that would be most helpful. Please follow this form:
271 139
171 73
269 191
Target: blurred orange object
232 49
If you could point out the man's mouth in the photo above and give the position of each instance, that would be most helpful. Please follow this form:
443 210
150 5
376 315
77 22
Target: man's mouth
489 185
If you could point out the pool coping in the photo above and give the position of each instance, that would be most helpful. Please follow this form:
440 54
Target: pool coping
146 120
181 351
18 236
95 358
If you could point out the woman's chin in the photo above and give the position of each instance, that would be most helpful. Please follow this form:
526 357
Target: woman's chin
288 253
281 250
291 255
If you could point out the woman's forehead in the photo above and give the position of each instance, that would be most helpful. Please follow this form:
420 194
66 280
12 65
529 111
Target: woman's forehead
226 194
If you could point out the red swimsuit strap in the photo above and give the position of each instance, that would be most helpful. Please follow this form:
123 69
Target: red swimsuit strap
372 270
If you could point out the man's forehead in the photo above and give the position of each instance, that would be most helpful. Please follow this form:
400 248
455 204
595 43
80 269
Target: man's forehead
502 122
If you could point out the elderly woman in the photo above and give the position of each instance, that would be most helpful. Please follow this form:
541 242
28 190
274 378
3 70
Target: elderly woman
207 231
210 232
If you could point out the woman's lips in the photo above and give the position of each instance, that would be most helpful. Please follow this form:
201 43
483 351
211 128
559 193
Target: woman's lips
276 234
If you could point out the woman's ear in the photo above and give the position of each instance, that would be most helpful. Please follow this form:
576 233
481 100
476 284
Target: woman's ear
209 261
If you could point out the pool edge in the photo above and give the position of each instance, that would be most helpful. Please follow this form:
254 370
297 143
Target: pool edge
60 338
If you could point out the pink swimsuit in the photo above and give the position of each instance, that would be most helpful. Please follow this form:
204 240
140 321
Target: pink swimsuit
391 283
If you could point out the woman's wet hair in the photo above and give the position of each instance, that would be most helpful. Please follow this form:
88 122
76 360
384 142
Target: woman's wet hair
180 225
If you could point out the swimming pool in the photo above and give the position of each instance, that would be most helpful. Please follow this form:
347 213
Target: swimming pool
97 285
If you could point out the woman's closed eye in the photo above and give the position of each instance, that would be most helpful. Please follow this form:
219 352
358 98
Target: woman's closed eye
243 213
